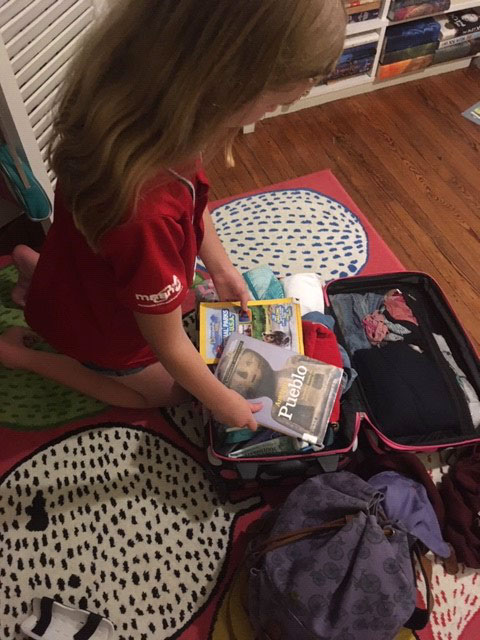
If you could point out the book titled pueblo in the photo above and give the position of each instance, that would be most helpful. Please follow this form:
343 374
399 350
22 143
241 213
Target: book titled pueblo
297 392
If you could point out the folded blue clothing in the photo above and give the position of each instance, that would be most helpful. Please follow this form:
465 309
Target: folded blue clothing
412 34
350 310
320 318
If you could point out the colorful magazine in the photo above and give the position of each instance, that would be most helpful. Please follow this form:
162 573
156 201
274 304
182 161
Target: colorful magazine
473 113
275 321
296 391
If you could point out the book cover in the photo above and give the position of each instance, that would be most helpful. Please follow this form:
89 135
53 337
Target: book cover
353 68
452 42
397 4
460 50
473 113
459 23
409 54
365 6
363 16
386 71
411 34
418 10
349 4
276 321
296 391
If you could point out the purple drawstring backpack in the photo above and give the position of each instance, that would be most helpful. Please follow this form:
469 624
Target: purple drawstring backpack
328 565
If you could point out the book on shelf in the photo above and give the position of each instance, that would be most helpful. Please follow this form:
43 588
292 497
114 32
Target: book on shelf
410 53
417 10
351 68
274 321
459 24
354 61
460 50
452 42
398 4
411 34
367 6
386 71
353 4
363 16
297 392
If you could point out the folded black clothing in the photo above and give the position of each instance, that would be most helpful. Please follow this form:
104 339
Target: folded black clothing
415 336
405 391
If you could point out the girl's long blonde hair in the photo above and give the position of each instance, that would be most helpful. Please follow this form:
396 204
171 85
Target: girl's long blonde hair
156 81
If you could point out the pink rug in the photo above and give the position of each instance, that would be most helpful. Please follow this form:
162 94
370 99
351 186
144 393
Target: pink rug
111 510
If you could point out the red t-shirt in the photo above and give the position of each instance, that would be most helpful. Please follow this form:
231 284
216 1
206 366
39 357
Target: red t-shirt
82 302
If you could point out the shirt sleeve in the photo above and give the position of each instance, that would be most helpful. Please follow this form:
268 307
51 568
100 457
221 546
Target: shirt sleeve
149 272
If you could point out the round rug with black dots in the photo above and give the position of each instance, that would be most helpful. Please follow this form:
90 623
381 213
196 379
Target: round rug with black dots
115 520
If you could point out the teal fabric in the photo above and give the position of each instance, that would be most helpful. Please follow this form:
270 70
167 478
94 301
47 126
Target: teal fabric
263 283
33 200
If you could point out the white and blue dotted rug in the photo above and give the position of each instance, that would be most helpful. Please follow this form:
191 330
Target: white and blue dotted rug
293 230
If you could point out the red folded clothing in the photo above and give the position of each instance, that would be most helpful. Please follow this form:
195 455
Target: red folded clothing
320 343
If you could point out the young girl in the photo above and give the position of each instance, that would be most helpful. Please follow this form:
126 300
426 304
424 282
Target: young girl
155 86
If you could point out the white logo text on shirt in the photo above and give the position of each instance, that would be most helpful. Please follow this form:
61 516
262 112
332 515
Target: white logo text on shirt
164 296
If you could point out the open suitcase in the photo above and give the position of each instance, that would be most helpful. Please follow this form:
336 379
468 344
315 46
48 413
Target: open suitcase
408 421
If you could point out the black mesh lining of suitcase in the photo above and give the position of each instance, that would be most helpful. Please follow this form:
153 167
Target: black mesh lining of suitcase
434 311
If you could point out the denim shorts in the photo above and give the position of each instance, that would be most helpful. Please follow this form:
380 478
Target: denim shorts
112 372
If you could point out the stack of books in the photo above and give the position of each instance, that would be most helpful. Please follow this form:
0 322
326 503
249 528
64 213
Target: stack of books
354 61
459 35
415 45
361 10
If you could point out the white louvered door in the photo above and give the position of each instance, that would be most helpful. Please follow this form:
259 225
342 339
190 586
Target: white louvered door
37 39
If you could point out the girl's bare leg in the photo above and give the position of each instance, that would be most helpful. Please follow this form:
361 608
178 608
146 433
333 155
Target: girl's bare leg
152 387
25 259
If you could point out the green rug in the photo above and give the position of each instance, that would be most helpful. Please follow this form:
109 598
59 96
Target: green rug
27 401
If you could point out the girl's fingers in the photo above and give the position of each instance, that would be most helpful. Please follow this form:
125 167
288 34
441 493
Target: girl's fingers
256 406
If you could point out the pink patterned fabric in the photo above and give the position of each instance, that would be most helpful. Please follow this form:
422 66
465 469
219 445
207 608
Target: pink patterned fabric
397 307
375 327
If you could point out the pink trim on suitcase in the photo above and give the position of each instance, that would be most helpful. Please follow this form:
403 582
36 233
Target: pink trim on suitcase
302 456
423 448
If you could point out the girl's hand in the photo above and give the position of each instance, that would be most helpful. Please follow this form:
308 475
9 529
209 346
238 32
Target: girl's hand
231 286
234 411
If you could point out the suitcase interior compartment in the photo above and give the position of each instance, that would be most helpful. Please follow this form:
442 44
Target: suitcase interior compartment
434 316
343 441
237 478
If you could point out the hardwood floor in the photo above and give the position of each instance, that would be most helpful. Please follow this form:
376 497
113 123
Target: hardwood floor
409 160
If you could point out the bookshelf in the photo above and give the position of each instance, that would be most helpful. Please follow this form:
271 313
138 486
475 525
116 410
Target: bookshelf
375 31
